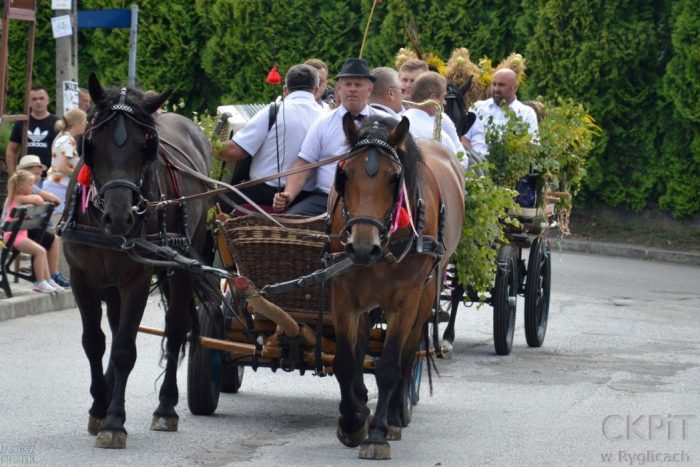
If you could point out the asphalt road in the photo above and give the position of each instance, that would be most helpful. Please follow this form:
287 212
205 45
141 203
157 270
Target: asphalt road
617 382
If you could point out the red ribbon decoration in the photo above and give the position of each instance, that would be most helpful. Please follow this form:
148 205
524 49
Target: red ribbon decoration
404 219
84 176
273 77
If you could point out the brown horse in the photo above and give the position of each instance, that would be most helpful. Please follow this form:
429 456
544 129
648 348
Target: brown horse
368 191
131 154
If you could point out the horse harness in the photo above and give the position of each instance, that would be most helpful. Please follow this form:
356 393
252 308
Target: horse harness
395 250
73 231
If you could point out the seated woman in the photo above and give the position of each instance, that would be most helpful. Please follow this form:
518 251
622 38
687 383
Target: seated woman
19 191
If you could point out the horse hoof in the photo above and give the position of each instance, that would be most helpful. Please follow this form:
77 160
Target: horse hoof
94 425
375 451
164 423
394 433
110 439
352 440
445 350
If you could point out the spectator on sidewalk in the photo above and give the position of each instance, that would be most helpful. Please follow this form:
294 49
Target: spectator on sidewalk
64 155
19 191
40 133
49 241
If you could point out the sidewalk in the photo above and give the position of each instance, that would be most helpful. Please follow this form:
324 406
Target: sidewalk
26 302
625 250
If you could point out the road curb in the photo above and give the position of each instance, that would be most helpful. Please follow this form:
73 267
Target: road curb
27 302
627 251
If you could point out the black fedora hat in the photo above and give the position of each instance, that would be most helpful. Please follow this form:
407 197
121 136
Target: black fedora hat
355 67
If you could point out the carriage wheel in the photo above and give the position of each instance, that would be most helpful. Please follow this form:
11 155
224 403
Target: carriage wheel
411 389
504 300
537 288
204 367
231 373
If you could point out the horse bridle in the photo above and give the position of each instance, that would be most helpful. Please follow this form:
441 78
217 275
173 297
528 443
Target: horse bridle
371 168
120 110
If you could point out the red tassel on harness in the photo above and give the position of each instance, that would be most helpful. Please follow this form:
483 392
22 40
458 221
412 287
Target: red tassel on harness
404 219
84 176
273 77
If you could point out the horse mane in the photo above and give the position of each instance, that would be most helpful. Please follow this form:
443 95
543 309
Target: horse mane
409 153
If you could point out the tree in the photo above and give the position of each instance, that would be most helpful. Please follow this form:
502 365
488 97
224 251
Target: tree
609 55
680 151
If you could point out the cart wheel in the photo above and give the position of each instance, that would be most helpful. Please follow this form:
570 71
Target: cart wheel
537 287
231 373
204 367
411 390
504 300
231 377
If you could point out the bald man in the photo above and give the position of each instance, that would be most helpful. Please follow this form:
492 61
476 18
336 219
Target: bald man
503 89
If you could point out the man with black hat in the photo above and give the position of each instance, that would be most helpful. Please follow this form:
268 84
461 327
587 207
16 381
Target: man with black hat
326 138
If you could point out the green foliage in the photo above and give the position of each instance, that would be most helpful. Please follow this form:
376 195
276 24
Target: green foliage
486 208
510 149
608 55
681 81
44 66
567 136
680 149
632 65
168 51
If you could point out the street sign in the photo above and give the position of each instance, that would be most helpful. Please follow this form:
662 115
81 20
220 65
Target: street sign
115 18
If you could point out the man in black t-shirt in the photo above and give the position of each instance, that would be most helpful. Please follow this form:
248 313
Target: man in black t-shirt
40 134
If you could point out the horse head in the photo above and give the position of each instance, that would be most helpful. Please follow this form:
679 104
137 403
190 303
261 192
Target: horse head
370 183
120 144
456 109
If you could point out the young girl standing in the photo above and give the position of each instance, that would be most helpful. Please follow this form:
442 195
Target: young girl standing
64 155
19 191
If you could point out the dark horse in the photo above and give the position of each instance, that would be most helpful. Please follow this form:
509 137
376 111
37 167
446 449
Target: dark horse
368 187
131 154
456 109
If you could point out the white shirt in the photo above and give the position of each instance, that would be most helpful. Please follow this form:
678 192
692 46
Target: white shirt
449 127
423 125
295 115
385 109
326 138
488 108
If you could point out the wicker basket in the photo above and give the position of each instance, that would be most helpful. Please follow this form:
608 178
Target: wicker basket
268 254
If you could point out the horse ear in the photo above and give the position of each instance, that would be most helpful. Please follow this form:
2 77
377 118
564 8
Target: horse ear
351 130
398 134
467 86
151 104
97 94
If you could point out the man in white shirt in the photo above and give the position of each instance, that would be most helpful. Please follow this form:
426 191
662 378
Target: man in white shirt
409 72
275 149
386 95
429 85
503 89
322 69
326 138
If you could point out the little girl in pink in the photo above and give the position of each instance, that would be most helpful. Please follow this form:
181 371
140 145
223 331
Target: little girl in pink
19 191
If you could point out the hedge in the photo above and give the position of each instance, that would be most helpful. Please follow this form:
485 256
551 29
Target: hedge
632 64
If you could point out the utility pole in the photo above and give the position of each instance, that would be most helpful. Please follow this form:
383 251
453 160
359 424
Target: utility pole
66 56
